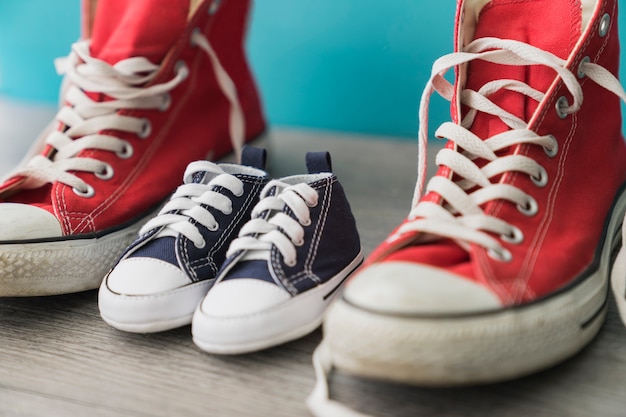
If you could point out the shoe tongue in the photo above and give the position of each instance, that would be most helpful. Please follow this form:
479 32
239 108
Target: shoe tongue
138 28
552 26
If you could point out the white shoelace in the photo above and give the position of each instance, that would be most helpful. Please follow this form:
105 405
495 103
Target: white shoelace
124 83
191 202
272 227
461 218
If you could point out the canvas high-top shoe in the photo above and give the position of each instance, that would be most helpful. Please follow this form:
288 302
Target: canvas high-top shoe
501 268
288 263
154 86
160 279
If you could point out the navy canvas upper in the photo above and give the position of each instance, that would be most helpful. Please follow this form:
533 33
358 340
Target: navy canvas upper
204 263
331 241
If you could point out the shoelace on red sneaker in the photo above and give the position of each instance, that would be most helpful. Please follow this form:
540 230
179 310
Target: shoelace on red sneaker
271 226
192 200
124 83
462 218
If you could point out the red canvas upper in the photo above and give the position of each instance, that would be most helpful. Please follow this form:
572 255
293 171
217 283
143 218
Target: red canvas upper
560 241
195 125
147 28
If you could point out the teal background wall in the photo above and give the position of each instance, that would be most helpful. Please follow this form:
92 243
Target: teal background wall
344 65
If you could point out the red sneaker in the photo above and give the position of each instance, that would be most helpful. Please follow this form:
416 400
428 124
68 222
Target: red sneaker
501 269
156 86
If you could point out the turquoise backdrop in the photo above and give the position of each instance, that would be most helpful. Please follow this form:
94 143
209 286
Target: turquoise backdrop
332 64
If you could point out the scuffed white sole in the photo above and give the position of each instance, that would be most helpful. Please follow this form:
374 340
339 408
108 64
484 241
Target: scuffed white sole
287 321
485 348
63 266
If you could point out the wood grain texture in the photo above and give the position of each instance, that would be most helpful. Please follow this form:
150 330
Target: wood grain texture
58 358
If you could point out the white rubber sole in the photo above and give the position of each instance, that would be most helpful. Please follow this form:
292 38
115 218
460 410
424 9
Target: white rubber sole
473 349
285 322
151 313
61 267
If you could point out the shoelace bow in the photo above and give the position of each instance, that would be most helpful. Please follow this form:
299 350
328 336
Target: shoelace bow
462 218
271 226
125 85
189 205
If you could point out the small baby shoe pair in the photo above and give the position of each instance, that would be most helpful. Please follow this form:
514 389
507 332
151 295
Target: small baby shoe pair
252 262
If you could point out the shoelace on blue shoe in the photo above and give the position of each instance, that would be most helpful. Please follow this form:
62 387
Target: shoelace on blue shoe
271 226
189 205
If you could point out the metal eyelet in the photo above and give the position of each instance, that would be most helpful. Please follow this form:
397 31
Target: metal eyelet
306 222
311 203
166 103
202 245
299 243
581 73
88 193
195 32
514 236
290 262
181 67
552 151
605 23
542 179
501 255
146 128
560 106
214 7
214 227
530 208
126 152
106 174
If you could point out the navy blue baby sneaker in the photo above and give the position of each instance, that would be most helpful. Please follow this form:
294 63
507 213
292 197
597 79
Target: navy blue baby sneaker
285 267
160 279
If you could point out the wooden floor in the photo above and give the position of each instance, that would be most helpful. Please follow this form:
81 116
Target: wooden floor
58 358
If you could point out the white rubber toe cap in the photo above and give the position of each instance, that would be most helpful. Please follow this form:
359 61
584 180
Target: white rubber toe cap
242 297
405 288
145 295
245 315
145 276
23 221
